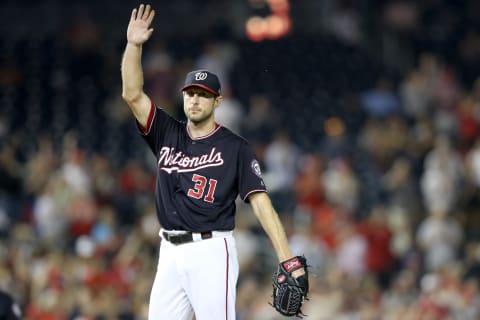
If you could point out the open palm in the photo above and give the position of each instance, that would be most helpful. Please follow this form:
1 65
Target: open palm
139 29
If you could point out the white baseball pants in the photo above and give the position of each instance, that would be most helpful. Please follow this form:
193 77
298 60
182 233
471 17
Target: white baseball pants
196 278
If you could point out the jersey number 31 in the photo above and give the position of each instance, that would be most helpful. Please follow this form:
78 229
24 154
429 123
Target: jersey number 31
199 188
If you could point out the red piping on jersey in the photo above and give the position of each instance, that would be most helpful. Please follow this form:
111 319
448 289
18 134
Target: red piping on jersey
226 282
217 126
146 129
253 191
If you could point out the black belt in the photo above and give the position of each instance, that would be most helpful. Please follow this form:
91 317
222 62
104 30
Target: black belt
184 237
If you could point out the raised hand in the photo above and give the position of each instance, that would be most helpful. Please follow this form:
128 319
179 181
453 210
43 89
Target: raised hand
139 30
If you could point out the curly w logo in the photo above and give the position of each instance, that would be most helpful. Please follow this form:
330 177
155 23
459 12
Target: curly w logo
201 76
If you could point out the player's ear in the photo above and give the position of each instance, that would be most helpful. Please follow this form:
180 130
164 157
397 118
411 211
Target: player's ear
218 100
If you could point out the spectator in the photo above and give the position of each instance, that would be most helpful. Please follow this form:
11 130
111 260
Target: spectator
439 237
218 57
282 158
341 185
381 101
402 293
308 184
415 96
442 177
231 113
378 256
260 121
401 188
351 252
159 75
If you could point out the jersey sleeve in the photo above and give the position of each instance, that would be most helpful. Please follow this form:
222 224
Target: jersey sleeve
250 175
156 128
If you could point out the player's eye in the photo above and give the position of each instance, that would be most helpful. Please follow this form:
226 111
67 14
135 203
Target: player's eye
200 93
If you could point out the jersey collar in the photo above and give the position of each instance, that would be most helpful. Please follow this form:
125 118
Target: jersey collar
217 127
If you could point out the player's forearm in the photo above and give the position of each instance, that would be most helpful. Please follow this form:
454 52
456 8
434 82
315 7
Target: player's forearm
272 225
276 232
132 74
132 83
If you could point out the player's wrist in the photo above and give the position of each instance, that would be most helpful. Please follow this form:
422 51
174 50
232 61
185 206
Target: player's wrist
134 44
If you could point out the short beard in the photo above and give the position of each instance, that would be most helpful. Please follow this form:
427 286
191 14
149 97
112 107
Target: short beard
202 119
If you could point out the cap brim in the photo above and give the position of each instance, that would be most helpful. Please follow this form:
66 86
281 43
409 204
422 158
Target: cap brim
204 87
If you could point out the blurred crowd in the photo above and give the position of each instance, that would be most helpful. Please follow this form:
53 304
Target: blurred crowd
367 129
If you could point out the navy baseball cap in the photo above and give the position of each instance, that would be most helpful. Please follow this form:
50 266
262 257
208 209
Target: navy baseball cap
203 79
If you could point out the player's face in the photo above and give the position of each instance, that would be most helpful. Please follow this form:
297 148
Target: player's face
199 105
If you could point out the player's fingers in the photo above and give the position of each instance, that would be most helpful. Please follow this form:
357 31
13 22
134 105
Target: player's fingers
146 13
149 33
140 11
150 17
134 14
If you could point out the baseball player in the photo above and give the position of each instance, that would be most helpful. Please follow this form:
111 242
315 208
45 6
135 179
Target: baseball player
202 168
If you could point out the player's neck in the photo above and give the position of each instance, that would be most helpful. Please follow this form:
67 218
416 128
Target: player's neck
201 129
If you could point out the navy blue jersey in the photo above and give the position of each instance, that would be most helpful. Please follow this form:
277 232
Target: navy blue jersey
198 179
